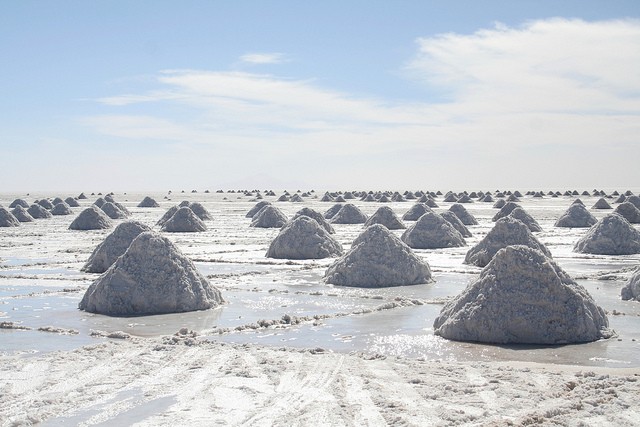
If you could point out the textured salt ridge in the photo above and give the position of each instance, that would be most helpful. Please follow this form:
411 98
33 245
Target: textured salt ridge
453 219
432 231
349 214
385 216
522 215
38 212
151 277
507 231
7 219
303 238
148 202
377 258
631 290
269 217
22 214
113 246
315 215
523 297
415 212
92 218
184 220
612 235
576 216
461 212
629 211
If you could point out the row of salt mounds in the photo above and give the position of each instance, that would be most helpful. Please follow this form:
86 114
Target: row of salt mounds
432 231
7 219
38 212
151 277
92 218
631 290
317 216
148 202
269 217
115 244
385 216
415 212
629 211
349 214
303 238
377 258
184 221
453 219
507 231
523 297
575 217
461 212
612 235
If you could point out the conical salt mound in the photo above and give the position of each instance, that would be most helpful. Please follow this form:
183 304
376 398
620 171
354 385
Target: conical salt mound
269 217
148 202
377 258
184 221
303 238
464 199
92 218
82 196
612 235
528 220
19 202
631 290
45 204
629 211
151 277
317 216
61 209
73 203
116 244
21 214
7 219
326 198
349 214
453 219
385 216
38 212
99 202
601 204
499 203
112 211
432 231
576 216
416 211
333 210
635 200
523 297
450 198
505 210
109 198
256 208
200 211
167 215
506 232
461 212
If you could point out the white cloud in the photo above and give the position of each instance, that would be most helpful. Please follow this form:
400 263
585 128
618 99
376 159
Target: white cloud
263 58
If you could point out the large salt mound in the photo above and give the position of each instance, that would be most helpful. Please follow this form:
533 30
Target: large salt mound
92 218
19 202
256 208
453 219
385 216
612 235
576 216
377 258
505 210
151 277
61 209
528 220
116 244
38 212
349 214
631 290
269 217
315 215
184 221
432 231
7 219
523 297
506 232
303 238
21 214
148 202
461 212
629 211
416 211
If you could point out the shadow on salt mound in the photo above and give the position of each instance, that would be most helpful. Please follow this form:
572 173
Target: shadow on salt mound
151 277
416 211
349 214
507 231
114 245
377 259
92 218
522 215
303 238
22 214
453 219
385 216
148 202
7 219
184 221
612 235
631 290
269 217
315 215
575 217
523 297
461 212
432 231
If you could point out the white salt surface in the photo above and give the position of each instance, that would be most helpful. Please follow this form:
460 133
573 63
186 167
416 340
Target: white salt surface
249 364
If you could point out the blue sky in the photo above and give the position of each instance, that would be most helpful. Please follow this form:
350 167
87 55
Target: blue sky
476 95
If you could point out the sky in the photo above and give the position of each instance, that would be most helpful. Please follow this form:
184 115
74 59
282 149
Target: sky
342 95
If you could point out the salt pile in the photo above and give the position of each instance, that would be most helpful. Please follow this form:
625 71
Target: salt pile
601 204
19 202
116 244
148 202
269 217
112 211
506 232
151 277
461 212
377 258
635 200
349 214
315 215
631 290
303 238
45 204
522 215
7 219
385 216
576 216
432 231
92 218
184 221
21 214
499 203
72 202
256 208
612 235
200 211
505 210
109 198
332 211
167 215
523 297
38 212
629 211
415 212
453 219
61 209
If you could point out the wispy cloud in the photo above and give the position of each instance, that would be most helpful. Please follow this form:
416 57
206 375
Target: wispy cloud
263 58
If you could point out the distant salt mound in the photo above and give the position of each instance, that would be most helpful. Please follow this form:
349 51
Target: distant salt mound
92 218
22 214
612 235
631 290
377 258
303 238
317 216
464 199
629 211
453 219
523 297
116 244
7 219
385 216
333 210
61 209
82 196
601 204
432 231
269 217
19 202
200 211
38 212
522 215
576 216
461 212
184 220
73 203
109 198
505 210
148 202
513 198
112 211
256 208
326 198
416 211
507 231
151 277
349 214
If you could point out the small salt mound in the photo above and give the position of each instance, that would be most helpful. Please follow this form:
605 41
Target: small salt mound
184 221
61 209
385 216
167 215
38 212
317 216
19 202
349 214
256 208
523 297
621 198
487 198
453 219
601 204
109 198
112 211
200 211
148 202
283 198
629 211
56 201
416 211
333 210
377 258
116 244
612 235
528 220
151 277
21 214
451 198
303 238
513 198
465 199
635 200
432 231
99 202
578 202
631 290
461 212
7 219
338 199
499 203
73 203
92 218
82 196
326 198
369 198
269 217
505 210
45 204
576 216
506 232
